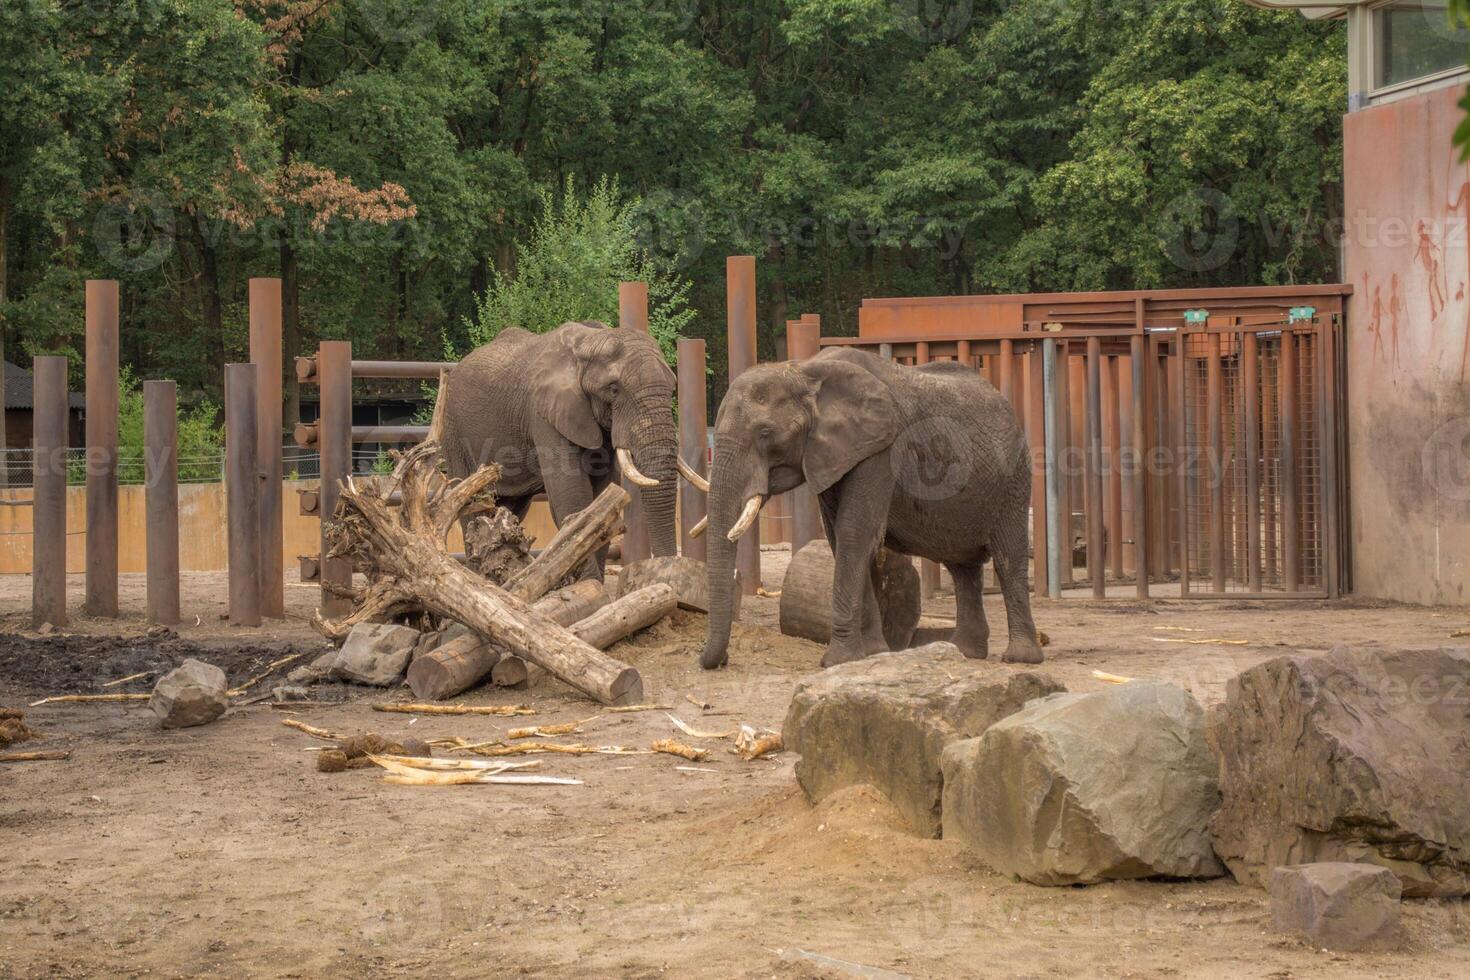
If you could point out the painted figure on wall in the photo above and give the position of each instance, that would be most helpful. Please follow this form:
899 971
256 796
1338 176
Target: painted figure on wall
1427 254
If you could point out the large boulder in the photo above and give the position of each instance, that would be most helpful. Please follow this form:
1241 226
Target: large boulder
1082 788
885 721
688 577
193 693
1338 905
1356 756
375 653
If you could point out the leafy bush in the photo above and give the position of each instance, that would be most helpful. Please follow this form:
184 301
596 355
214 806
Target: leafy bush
578 250
200 440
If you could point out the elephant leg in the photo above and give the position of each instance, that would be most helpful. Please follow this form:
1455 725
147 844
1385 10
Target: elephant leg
568 490
1008 550
865 495
971 632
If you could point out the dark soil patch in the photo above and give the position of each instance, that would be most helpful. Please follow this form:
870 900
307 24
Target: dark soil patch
78 664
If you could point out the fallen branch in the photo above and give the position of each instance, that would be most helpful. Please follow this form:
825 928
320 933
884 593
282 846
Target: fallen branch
1213 641
270 668
625 616
456 709
750 744
89 699
566 728
696 733
458 765
130 677
584 534
1107 678
312 730
670 747
51 755
629 708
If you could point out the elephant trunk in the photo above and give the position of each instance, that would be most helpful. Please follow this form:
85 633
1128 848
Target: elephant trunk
728 493
655 449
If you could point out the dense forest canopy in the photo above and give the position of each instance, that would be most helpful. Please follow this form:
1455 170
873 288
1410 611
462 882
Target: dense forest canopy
386 157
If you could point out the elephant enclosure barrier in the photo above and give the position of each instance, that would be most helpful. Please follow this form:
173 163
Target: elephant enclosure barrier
1177 436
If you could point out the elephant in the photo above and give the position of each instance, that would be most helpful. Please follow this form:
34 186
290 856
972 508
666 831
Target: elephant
928 461
566 412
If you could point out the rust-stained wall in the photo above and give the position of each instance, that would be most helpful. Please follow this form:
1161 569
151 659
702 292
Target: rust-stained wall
1408 200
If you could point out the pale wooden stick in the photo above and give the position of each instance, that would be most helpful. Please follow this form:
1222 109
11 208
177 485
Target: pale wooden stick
89 699
456 709
52 755
624 709
130 677
312 730
1107 678
671 747
235 692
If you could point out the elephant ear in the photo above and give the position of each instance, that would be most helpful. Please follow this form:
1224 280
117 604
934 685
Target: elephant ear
556 389
855 417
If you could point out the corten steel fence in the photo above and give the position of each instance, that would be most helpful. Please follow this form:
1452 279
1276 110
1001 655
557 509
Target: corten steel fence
1197 436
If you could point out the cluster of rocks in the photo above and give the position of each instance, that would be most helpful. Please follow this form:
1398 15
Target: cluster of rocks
1338 782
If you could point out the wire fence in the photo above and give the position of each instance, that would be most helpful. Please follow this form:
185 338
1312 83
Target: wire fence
18 466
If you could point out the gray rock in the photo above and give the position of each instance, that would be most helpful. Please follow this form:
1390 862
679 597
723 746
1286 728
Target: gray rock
290 692
1355 756
193 693
318 670
1082 788
375 653
1337 905
885 720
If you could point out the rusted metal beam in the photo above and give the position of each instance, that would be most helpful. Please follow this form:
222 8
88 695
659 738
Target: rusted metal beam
1112 455
1214 395
308 434
1096 565
265 354
1055 420
1036 441
803 342
307 371
1327 413
48 515
161 498
242 494
1139 344
740 326
334 365
101 457
1181 448
1007 384
1250 383
693 426
633 315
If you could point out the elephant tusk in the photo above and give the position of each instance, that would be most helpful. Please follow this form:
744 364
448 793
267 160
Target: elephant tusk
625 463
747 517
697 531
687 472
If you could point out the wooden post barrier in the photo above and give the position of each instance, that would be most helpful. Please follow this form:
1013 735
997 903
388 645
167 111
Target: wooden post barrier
633 315
242 493
161 496
48 515
693 425
806 522
740 324
265 354
334 378
101 455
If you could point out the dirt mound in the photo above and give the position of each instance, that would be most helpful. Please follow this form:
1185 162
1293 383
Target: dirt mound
683 634
79 664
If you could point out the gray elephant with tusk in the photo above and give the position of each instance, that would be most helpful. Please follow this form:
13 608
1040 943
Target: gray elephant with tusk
567 412
926 461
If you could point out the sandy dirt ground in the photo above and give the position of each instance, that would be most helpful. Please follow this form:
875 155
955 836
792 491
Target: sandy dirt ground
220 851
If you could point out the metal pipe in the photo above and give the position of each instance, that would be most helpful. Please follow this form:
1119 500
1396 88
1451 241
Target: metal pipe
693 428
242 493
803 341
1007 370
633 315
1036 442
1052 415
161 498
740 326
1181 444
1096 566
308 434
48 515
1113 456
1327 414
1138 345
1250 383
265 354
307 371
101 456
334 365
1214 393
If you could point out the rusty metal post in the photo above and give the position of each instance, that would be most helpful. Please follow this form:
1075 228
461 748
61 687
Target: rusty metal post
1007 384
1096 566
161 498
48 511
633 315
740 324
101 455
1036 442
1069 483
1290 511
1055 419
334 370
1250 385
1327 454
804 341
693 428
1214 393
1139 347
265 354
1112 455
1181 449
242 493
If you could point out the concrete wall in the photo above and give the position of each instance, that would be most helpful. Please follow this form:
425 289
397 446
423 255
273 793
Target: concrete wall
202 538
1408 200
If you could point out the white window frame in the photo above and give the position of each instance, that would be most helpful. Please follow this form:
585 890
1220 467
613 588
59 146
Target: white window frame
1389 93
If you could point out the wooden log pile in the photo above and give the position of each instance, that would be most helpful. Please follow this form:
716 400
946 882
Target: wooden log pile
515 611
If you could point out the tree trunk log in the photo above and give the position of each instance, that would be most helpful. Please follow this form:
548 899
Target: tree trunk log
511 672
464 661
585 533
633 612
806 595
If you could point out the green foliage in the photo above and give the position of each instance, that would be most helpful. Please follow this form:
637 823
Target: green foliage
577 252
200 439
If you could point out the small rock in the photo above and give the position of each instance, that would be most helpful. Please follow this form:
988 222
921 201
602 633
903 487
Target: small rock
193 693
290 692
1082 788
885 720
316 671
46 629
1337 905
375 653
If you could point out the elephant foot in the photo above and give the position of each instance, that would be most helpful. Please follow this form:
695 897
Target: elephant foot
713 660
842 653
1023 650
974 647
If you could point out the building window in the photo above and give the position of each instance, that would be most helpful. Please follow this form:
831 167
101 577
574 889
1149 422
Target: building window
1414 39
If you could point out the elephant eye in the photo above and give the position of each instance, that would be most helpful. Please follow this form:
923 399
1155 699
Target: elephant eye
613 389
